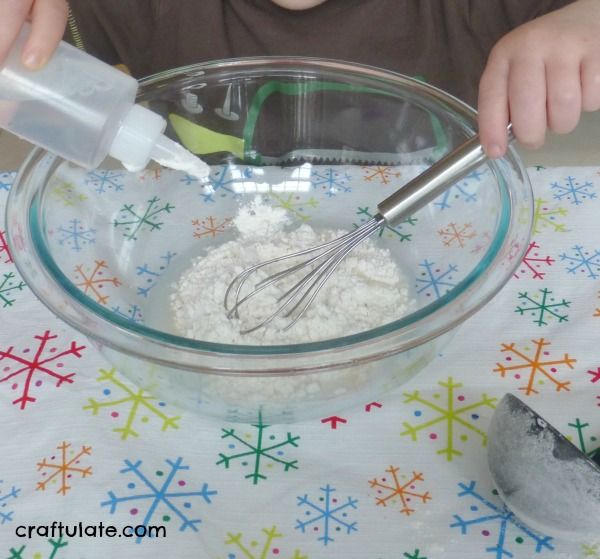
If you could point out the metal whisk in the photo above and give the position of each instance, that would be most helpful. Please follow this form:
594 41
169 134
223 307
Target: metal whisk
322 260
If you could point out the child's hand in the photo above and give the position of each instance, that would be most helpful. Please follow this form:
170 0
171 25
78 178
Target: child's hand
48 20
541 75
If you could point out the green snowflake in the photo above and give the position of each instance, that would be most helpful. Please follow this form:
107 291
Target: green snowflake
452 414
55 545
589 447
263 448
254 550
542 307
137 400
133 220
7 286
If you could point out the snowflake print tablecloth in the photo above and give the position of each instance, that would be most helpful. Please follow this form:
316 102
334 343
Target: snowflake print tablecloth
401 477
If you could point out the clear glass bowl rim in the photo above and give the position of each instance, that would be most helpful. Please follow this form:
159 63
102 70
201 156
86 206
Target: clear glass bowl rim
400 335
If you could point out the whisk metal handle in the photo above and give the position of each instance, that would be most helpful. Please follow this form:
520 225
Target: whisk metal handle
430 184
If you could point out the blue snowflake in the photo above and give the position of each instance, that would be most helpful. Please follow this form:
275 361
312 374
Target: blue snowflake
462 190
188 179
331 181
574 191
133 313
6 515
583 261
6 179
150 275
160 495
497 513
329 514
75 236
223 181
434 280
105 180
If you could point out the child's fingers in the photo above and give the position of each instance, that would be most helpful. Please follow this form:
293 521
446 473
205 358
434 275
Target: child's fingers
492 105
527 101
12 16
590 83
48 21
563 84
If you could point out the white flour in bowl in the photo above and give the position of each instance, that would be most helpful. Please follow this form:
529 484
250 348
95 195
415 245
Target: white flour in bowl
366 290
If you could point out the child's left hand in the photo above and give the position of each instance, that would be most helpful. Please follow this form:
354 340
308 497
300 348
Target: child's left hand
541 76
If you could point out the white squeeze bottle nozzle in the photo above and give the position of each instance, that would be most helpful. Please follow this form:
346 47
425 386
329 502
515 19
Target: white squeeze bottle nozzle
82 109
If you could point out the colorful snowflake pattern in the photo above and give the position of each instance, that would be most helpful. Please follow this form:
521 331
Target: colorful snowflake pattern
92 280
331 181
67 194
395 490
572 190
589 445
159 493
227 180
381 174
546 218
262 452
5 256
59 469
45 359
464 190
326 515
490 513
293 204
253 549
76 236
542 307
53 553
457 235
149 274
104 181
532 263
534 363
210 226
583 261
454 414
133 220
434 280
138 405
6 501
8 286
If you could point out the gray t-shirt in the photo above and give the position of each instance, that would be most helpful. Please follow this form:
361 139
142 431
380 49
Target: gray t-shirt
446 42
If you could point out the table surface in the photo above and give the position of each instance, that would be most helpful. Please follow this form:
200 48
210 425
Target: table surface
403 477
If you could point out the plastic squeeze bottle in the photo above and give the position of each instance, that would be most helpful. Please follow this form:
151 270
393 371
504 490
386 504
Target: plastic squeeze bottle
83 110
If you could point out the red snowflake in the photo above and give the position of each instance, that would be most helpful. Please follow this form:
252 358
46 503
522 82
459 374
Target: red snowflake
4 250
26 366
532 262
595 375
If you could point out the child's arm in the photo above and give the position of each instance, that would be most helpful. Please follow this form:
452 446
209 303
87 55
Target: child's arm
48 20
541 76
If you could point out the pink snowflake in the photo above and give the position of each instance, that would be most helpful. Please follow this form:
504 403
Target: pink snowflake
45 359
4 250
532 262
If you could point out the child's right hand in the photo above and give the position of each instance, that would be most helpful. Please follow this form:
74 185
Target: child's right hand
48 21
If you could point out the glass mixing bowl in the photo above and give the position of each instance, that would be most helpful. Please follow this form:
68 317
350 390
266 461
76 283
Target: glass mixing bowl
326 141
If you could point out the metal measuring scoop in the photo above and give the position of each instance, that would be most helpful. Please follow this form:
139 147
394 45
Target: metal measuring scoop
543 478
